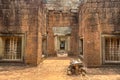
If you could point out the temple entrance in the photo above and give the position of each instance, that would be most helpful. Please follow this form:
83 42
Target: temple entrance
62 40
62 45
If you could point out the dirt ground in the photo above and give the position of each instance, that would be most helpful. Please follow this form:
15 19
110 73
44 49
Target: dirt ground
55 69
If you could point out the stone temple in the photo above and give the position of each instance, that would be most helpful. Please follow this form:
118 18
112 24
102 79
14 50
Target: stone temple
89 29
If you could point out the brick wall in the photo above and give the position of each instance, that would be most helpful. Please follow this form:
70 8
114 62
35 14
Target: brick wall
22 17
96 18
62 19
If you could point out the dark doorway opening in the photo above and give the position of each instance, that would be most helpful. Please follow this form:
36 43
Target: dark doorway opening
62 45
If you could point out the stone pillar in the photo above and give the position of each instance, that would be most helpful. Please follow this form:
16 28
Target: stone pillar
56 41
68 43
1 48
58 44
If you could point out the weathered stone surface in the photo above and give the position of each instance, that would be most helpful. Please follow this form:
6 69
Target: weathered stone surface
96 18
62 19
64 5
26 17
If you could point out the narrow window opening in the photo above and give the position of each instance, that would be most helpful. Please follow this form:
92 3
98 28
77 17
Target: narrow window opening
112 49
81 46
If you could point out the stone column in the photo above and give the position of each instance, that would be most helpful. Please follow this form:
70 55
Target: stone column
56 41
1 48
68 43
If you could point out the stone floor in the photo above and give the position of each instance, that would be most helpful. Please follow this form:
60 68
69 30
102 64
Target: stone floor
55 69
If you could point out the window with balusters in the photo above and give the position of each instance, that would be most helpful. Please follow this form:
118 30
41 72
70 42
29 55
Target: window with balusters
11 48
111 49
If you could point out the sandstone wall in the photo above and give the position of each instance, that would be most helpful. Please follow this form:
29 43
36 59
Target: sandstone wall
96 18
62 19
22 17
